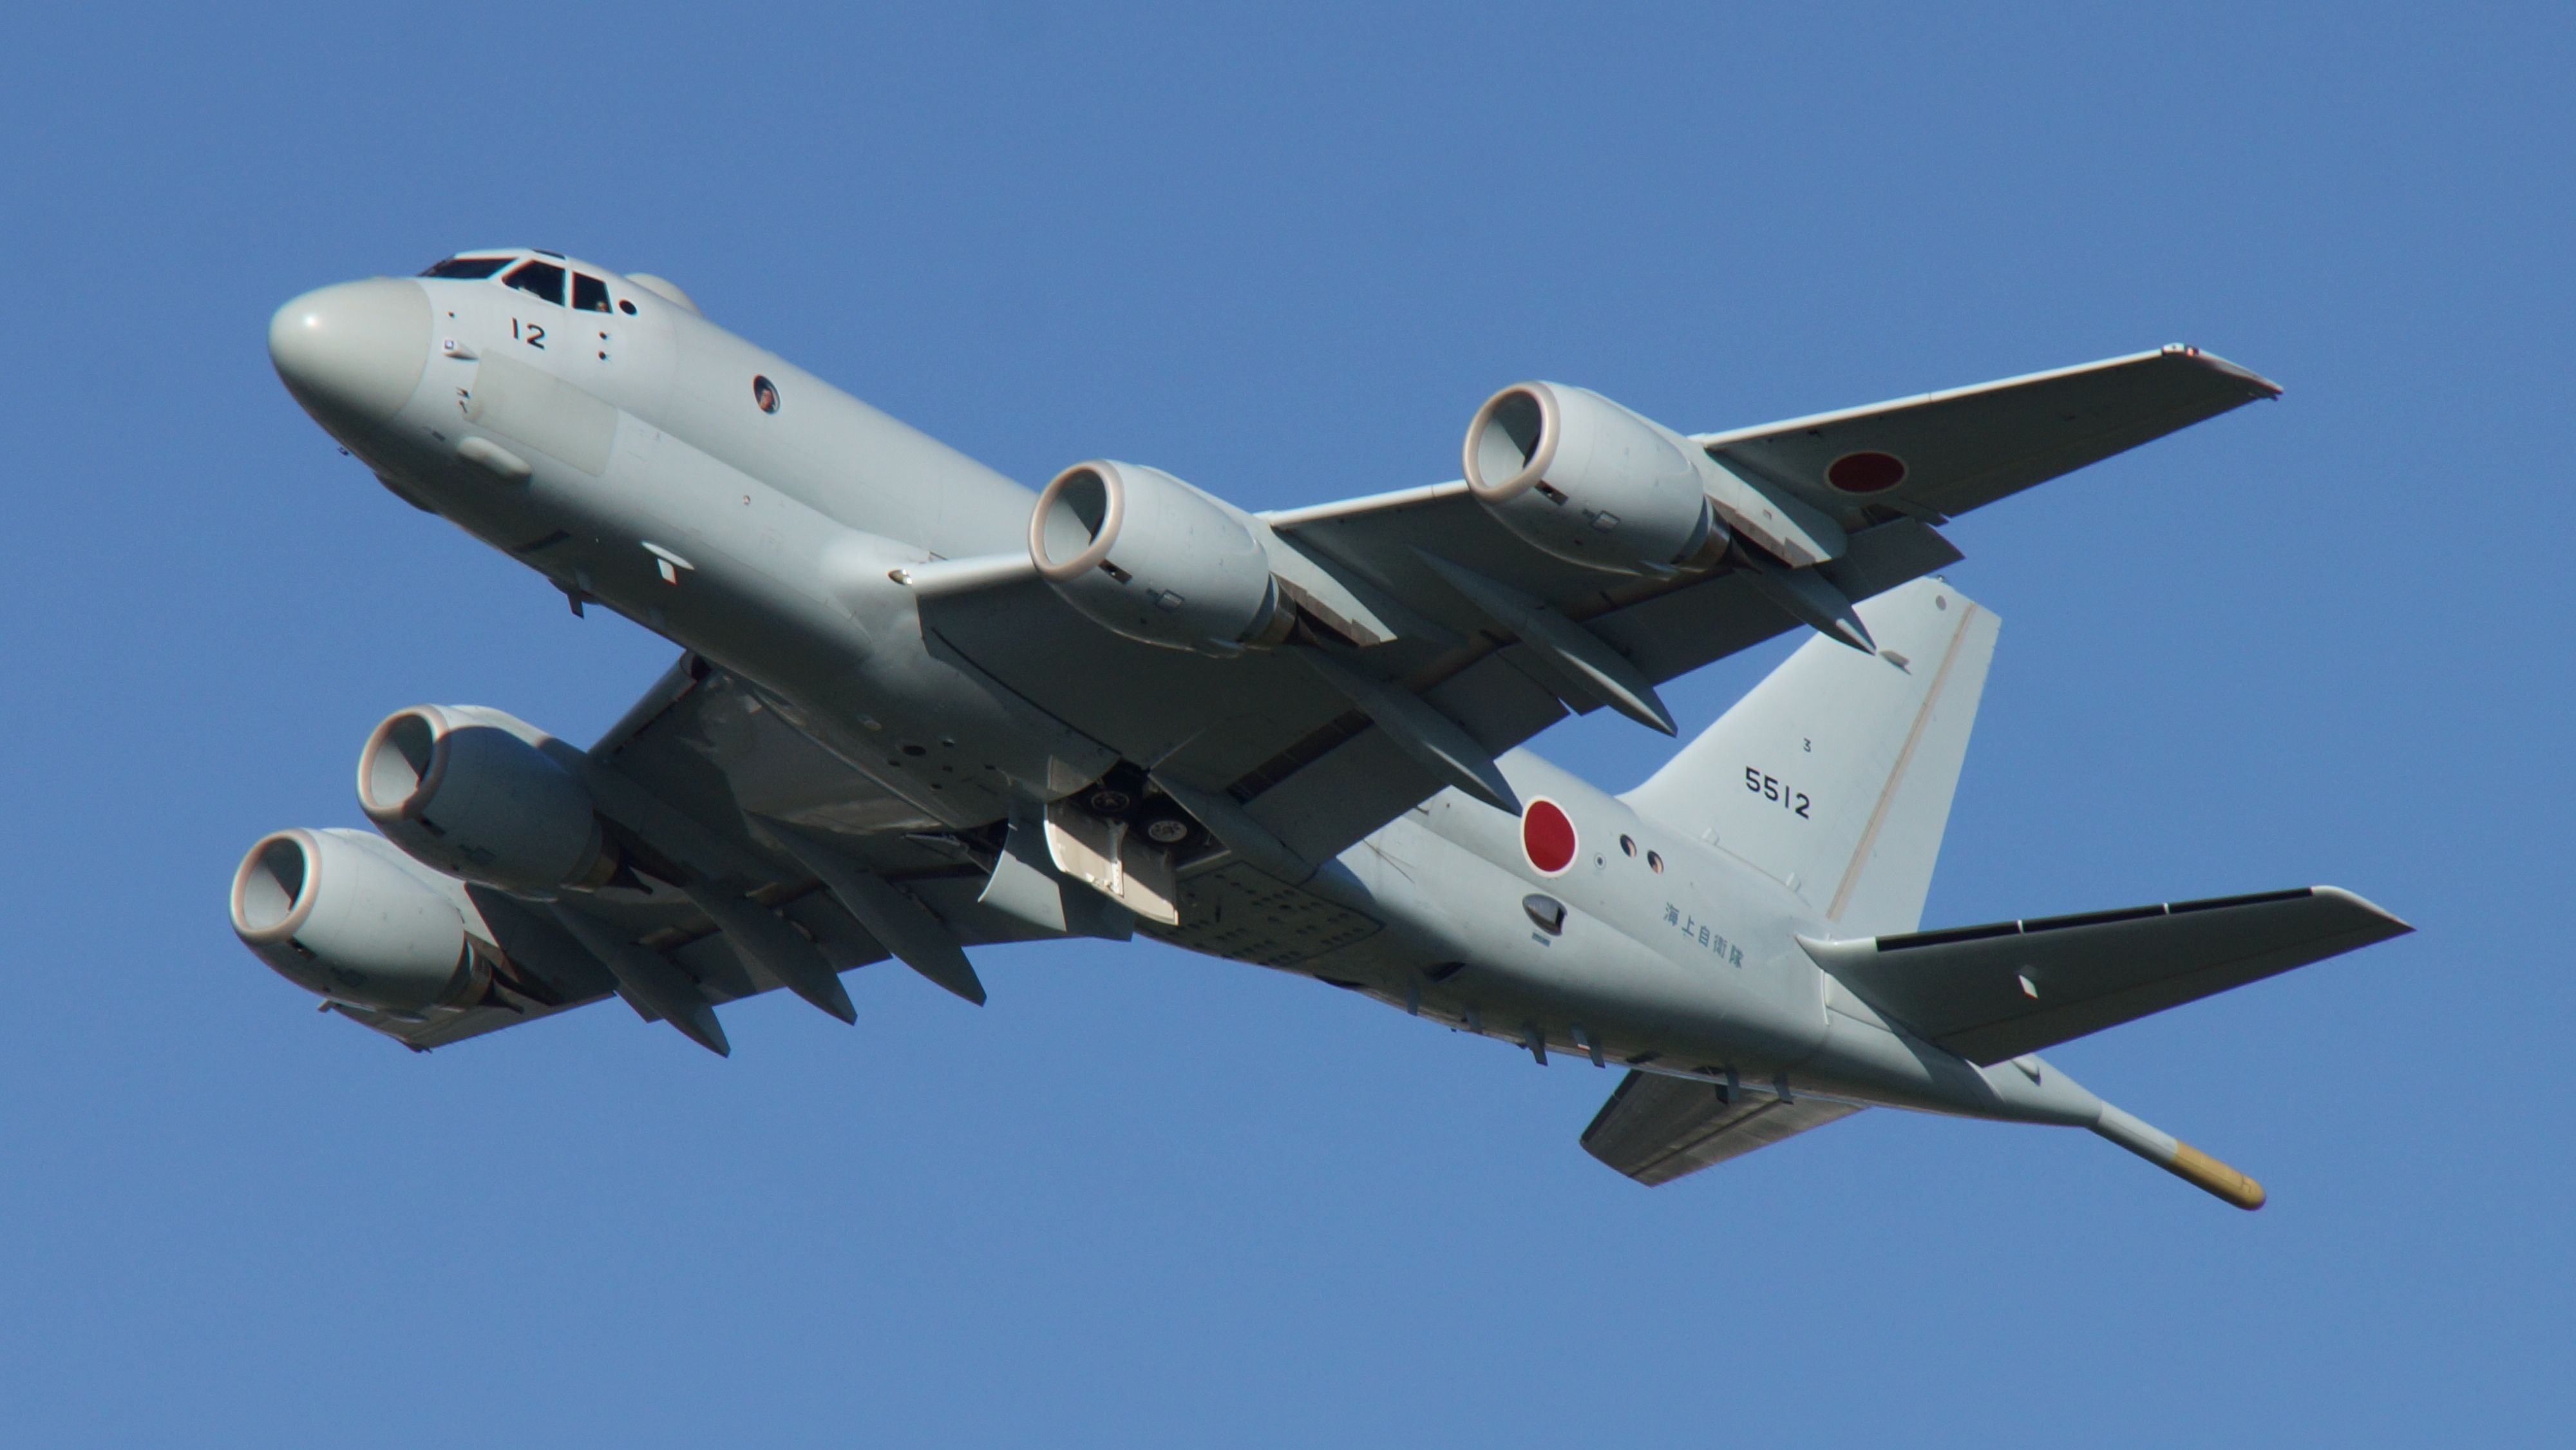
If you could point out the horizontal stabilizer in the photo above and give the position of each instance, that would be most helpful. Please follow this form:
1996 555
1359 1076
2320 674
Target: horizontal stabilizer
1656 1129
1998 991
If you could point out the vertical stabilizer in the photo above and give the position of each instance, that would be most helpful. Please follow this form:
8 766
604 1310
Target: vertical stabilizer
1835 774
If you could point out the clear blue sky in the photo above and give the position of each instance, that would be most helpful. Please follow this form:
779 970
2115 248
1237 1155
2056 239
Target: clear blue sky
1152 1199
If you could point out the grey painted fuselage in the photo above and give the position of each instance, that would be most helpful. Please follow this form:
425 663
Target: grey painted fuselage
626 455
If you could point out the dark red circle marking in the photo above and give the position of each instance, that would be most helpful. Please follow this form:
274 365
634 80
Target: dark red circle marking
1866 472
1547 836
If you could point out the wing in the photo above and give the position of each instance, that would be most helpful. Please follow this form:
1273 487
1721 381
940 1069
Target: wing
762 861
1998 991
1965 448
1431 638
1402 684
1656 1129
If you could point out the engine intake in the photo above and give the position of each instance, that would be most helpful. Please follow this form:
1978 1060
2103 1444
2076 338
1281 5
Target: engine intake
1155 560
1586 480
343 914
472 792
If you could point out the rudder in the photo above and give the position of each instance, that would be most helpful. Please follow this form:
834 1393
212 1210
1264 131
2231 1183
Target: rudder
1835 774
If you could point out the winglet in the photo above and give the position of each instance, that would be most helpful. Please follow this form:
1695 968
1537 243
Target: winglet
2179 1158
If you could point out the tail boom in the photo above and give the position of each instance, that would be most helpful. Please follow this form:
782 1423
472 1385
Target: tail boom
2179 1158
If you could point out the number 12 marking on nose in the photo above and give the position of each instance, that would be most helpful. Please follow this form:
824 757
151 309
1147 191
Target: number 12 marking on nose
1770 789
533 335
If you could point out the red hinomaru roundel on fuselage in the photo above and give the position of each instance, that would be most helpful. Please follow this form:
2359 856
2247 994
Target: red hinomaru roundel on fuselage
1547 836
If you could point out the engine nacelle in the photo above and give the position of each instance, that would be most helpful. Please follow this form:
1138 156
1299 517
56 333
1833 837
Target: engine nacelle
1586 480
343 914
1155 559
470 792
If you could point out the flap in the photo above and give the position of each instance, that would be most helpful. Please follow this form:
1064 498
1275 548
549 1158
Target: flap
1656 1129
1997 991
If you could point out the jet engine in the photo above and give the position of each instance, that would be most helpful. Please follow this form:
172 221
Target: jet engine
1585 479
1155 559
342 913
470 792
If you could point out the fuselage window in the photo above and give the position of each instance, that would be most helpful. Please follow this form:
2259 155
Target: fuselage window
539 279
467 267
589 294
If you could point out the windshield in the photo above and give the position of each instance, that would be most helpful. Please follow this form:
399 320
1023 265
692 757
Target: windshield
468 267
540 279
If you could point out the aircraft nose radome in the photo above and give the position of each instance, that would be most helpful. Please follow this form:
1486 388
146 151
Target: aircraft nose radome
353 351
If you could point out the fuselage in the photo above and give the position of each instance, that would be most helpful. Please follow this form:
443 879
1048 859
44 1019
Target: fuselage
645 459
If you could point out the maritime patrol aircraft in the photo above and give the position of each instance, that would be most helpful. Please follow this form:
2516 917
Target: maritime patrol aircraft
920 708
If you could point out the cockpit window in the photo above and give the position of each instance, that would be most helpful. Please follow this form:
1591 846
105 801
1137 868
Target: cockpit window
539 279
589 294
468 267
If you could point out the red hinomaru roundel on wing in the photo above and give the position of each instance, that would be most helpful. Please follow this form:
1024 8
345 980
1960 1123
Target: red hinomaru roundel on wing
1866 472
1547 836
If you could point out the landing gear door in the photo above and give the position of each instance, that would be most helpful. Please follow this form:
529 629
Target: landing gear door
1027 886
1106 856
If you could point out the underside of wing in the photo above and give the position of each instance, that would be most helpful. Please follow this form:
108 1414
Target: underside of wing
752 859
749 857
1292 738
1656 1129
540 967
